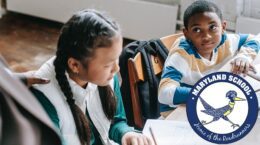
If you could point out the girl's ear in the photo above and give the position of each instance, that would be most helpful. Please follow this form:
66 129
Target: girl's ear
74 65
224 26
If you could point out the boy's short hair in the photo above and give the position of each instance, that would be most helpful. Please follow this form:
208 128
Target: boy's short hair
200 6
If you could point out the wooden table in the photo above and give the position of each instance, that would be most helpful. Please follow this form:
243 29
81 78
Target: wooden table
252 138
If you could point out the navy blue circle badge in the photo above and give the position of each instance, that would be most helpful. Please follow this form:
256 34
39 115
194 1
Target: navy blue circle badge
222 107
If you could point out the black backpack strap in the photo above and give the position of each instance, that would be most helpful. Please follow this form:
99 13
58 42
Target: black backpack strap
153 47
129 51
163 51
148 90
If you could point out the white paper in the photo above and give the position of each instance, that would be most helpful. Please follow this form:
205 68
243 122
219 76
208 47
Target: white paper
167 132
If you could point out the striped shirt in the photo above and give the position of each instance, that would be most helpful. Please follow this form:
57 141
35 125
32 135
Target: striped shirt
184 66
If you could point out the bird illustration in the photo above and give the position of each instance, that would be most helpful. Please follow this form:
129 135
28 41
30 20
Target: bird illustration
222 112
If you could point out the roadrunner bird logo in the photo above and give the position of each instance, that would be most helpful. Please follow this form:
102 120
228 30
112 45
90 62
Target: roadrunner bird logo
222 107
222 112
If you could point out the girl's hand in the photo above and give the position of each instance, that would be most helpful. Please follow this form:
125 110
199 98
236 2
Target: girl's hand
242 66
133 138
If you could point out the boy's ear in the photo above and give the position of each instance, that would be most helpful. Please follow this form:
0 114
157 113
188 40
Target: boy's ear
74 65
185 33
224 26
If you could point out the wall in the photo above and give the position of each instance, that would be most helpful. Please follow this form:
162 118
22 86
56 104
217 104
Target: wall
138 19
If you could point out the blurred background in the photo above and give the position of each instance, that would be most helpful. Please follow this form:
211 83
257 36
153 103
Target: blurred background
29 29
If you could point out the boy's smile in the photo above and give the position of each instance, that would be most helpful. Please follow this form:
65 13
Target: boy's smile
205 31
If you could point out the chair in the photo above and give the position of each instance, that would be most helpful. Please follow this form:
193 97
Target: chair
136 74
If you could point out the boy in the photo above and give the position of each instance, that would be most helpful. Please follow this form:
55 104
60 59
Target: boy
204 49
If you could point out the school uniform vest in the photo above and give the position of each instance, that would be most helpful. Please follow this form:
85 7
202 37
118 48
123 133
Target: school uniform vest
86 99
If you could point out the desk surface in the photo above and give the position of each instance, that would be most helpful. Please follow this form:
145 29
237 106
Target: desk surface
252 138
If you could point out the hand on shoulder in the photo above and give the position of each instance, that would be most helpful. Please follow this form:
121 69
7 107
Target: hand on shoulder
29 79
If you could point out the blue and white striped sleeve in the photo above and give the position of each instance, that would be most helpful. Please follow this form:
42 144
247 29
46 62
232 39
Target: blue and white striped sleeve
249 46
170 91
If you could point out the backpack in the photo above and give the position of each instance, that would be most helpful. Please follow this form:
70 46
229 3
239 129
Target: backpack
147 90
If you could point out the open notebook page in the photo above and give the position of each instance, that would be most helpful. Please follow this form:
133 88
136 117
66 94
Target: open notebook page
167 132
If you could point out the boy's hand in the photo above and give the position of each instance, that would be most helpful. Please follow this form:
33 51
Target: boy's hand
133 138
242 66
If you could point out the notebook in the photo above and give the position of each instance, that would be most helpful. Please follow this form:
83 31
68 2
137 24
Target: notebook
168 132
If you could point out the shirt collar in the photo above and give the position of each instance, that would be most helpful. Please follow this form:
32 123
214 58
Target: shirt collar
80 93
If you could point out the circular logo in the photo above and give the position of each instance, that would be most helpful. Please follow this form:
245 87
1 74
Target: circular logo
222 107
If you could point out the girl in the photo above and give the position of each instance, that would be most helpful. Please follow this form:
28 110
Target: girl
84 99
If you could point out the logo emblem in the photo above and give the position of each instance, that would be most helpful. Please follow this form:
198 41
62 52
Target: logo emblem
222 108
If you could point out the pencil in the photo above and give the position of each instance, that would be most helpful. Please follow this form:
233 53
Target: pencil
153 136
